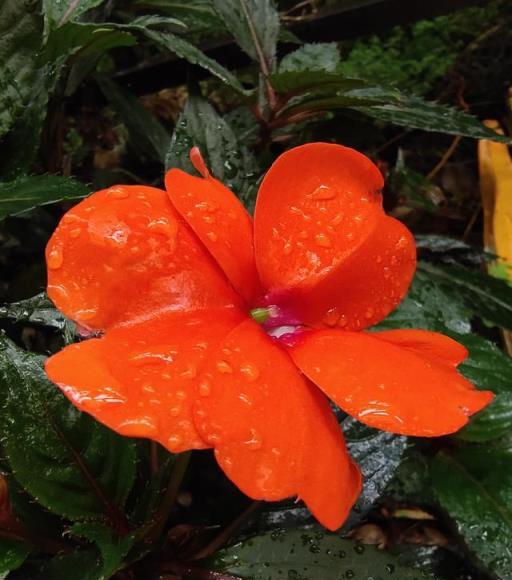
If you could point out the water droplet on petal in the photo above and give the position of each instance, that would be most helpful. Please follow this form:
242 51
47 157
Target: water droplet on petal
332 317
204 388
250 371
255 442
190 372
322 192
55 257
287 249
368 313
117 192
323 240
74 233
224 367
174 440
212 236
175 411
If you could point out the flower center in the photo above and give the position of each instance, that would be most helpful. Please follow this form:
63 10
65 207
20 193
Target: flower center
277 323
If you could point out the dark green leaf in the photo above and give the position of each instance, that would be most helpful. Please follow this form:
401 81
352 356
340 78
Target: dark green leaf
170 42
416 113
27 193
20 38
309 555
229 161
72 465
474 485
38 310
12 555
85 38
254 25
113 548
312 57
292 81
80 565
430 305
147 134
21 144
488 297
489 369
57 12
378 454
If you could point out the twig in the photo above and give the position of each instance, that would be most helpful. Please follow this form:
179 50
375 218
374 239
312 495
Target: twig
227 532
175 481
447 154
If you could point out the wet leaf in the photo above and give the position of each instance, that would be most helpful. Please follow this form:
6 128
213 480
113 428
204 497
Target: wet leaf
12 555
378 454
72 465
20 38
26 193
58 12
487 297
309 555
488 368
37 310
430 305
170 42
416 113
228 160
474 485
254 25
112 547
79 565
147 134
323 56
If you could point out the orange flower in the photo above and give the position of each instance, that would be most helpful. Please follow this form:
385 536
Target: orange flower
170 280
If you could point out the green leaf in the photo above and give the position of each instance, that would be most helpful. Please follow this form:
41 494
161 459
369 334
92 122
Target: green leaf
254 25
292 81
37 310
71 464
170 42
79 565
474 485
416 113
147 134
20 39
309 555
26 193
12 555
430 305
85 38
113 548
489 369
58 12
488 297
323 56
229 161
378 454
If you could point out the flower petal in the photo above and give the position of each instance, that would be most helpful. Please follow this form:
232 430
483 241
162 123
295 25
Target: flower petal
323 243
221 222
123 254
391 383
141 379
273 435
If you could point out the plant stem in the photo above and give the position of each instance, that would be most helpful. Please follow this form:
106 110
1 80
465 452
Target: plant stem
178 473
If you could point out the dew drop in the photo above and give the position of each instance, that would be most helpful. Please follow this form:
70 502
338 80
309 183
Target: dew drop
224 367
74 233
322 192
204 389
212 236
174 440
55 257
175 411
181 395
189 373
323 240
255 442
250 371
245 399
287 249
332 317
368 313
117 192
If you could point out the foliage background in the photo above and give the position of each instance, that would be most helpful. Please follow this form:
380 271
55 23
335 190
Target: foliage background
99 92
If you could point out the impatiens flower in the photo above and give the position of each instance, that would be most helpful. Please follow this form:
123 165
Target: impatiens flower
219 334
